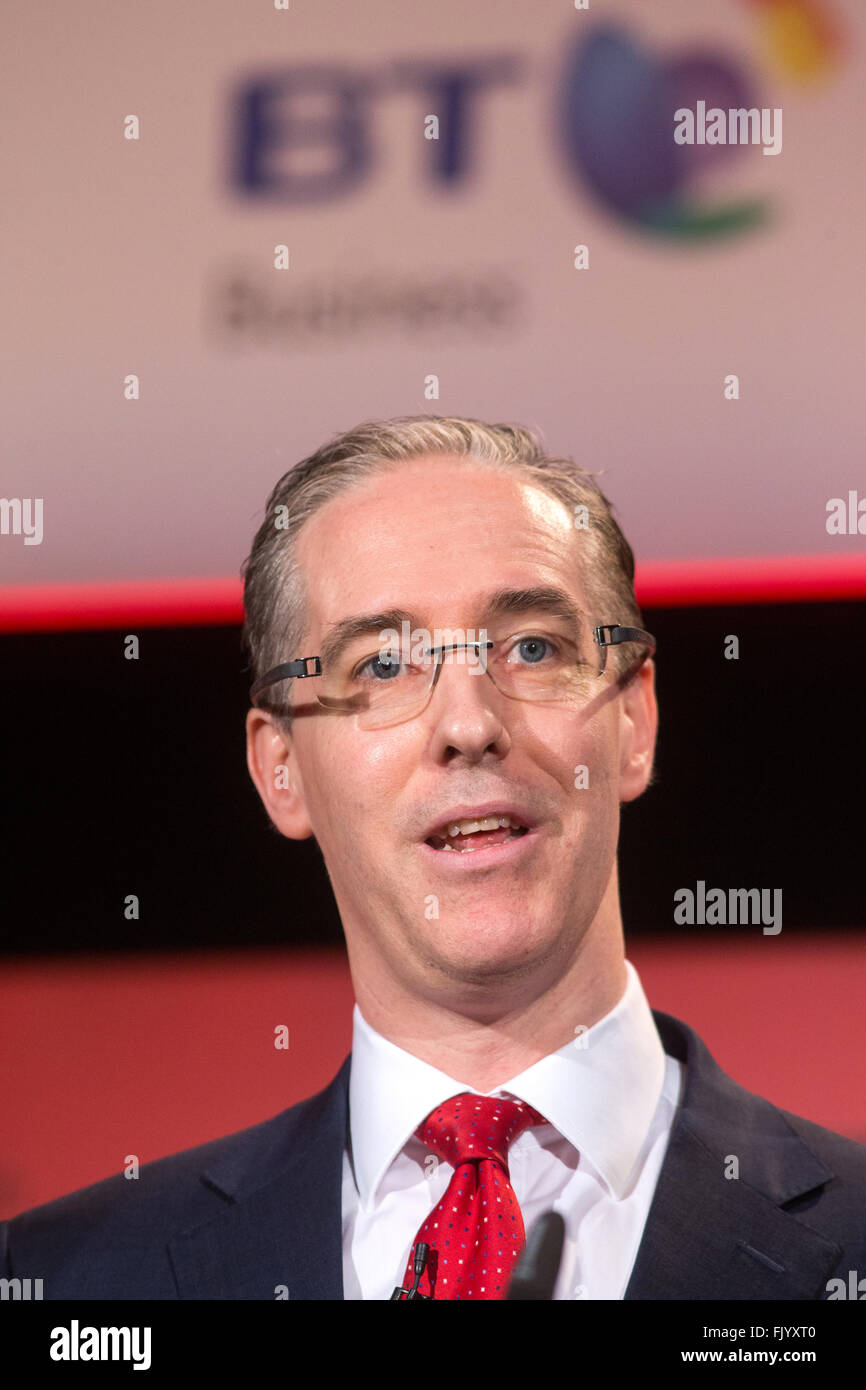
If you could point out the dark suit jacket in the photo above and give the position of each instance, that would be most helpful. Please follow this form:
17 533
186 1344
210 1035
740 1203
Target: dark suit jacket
235 1218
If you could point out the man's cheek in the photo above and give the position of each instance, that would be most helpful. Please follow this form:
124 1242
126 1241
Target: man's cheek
593 768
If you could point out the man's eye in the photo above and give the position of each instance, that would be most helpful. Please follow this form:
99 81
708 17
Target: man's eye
383 666
531 649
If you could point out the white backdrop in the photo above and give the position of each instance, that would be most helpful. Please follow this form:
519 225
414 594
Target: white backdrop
118 254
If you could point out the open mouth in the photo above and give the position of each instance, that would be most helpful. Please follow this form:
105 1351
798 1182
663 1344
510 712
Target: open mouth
465 836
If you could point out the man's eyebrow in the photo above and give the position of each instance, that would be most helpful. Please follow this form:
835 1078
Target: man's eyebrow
340 634
503 603
554 601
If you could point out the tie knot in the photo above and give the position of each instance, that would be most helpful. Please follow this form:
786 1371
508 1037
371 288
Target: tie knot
469 1127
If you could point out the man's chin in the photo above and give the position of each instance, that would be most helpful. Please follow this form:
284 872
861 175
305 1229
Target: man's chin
482 953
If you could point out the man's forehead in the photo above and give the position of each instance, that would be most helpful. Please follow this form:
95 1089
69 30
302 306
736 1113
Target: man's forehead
416 497
391 542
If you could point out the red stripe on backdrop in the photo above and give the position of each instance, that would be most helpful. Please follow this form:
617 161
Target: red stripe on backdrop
150 1055
143 602
200 601
752 579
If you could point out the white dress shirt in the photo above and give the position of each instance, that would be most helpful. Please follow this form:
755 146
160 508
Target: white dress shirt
609 1095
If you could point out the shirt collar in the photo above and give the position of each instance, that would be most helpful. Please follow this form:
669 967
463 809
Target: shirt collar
600 1091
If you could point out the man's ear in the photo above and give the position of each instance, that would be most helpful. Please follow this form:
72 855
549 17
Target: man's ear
273 766
639 719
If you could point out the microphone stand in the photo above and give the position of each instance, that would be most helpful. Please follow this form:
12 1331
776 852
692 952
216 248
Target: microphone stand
535 1273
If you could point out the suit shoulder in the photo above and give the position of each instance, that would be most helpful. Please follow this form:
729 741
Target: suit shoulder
725 1102
169 1193
847 1157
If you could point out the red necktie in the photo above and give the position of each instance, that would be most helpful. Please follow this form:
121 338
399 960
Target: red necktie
475 1233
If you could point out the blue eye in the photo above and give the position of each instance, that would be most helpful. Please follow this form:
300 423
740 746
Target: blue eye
387 665
533 643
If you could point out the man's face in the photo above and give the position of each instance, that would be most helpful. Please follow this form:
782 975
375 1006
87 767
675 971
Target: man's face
438 538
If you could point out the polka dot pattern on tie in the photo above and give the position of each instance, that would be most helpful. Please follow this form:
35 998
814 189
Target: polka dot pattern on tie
475 1233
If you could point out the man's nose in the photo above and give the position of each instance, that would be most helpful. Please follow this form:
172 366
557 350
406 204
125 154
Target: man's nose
464 674
466 709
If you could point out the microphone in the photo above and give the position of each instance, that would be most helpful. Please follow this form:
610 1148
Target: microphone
535 1273
419 1264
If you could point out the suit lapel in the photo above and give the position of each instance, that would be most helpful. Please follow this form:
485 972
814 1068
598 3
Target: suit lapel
278 1221
712 1236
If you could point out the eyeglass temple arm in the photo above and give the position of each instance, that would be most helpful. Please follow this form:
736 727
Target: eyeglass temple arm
296 669
616 634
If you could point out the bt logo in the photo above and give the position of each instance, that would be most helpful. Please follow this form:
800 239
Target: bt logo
306 134
616 121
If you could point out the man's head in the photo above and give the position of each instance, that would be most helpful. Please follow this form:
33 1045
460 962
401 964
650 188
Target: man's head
437 517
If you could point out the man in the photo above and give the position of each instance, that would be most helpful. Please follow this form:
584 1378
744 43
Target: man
454 693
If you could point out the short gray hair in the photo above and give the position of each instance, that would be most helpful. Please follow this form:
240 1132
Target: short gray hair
274 589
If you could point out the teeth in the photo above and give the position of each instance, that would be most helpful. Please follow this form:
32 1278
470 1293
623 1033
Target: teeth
462 829
469 827
469 848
